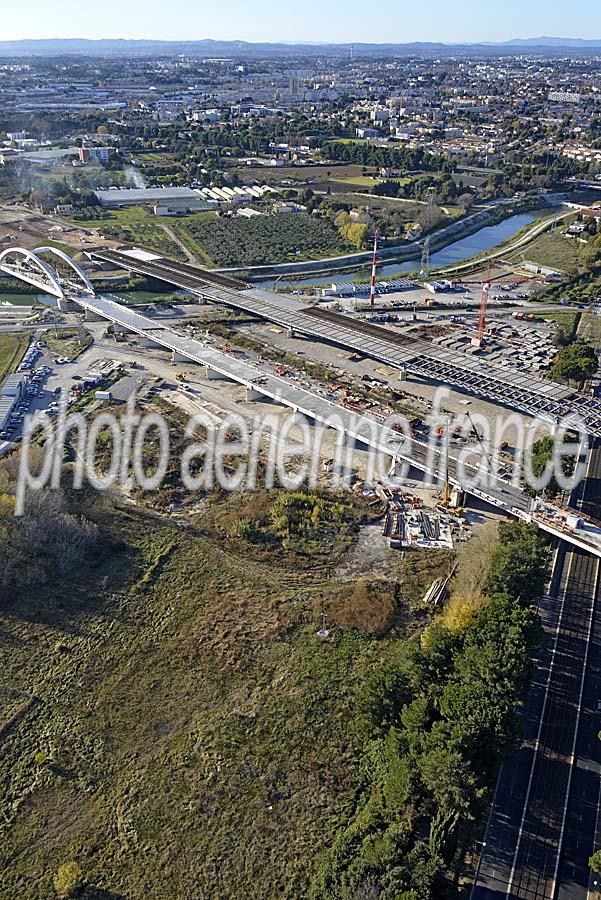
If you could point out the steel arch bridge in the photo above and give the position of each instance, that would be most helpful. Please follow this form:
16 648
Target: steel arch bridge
45 268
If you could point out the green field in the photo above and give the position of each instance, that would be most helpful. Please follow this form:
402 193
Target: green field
553 251
12 351
563 318
134 216
360 181
138 225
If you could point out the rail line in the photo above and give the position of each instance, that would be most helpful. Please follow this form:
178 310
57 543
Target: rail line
538 838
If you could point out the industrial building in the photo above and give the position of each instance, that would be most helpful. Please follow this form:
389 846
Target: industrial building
165 201
10 394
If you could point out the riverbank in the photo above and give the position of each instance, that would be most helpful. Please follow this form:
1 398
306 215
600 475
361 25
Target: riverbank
394 255
465 255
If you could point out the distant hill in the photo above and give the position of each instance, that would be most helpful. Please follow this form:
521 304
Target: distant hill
211 48
551 42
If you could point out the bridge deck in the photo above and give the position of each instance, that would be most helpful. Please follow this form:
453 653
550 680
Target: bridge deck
367 428
506 386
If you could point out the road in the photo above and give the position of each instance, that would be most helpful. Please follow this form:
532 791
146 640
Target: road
505 385
542 826
510 247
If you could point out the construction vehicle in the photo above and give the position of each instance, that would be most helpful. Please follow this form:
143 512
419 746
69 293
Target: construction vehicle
451 497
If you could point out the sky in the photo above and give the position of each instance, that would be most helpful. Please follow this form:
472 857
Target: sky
340 21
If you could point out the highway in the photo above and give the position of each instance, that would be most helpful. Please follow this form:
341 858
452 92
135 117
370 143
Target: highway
542 825
367 428
508 386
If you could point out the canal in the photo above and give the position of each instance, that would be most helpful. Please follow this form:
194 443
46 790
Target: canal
472 245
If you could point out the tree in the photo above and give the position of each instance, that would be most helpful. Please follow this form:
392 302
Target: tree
356 235
542 453
595 862
519 564
68 880
590 255
382 699
576 362
449 780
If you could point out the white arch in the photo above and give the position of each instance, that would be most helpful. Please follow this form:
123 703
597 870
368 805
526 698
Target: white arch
70 262
52 287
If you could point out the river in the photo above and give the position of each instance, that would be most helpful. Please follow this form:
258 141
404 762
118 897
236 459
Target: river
472 245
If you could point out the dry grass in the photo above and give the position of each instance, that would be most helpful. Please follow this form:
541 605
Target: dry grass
369 606
473 565
186 714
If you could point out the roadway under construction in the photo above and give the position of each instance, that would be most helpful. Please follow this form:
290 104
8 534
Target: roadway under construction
413 357
367 428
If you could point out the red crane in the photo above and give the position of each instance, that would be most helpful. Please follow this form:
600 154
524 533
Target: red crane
483 309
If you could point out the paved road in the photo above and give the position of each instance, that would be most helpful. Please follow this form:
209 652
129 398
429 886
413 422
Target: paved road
509 386
510 247
542 826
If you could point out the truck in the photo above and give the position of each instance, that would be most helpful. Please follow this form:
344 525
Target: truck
102 395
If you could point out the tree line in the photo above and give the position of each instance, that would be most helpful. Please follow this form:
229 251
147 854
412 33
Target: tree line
437 725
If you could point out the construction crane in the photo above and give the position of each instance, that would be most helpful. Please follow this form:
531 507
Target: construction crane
425 262
444 431
479 439
482 317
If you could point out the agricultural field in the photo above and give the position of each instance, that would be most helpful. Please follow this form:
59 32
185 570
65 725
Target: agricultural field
306 175
261 241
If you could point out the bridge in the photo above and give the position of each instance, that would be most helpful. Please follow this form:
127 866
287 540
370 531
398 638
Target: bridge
48 269
505 386
368 429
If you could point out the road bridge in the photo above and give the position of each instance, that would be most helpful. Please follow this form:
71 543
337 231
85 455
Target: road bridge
479 377
366 428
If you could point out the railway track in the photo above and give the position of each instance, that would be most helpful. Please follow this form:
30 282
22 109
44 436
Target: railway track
541 829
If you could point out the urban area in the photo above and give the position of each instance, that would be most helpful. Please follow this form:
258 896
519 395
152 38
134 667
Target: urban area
359 688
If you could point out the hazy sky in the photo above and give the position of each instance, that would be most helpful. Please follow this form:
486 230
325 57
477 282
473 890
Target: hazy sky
395 21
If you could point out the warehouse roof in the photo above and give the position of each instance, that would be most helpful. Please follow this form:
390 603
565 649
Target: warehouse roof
146 195
11 384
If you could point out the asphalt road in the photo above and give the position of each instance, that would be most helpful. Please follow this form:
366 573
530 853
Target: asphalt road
542 826
508 386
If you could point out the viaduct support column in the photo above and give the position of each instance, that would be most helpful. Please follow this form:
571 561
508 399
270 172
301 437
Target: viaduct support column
253 394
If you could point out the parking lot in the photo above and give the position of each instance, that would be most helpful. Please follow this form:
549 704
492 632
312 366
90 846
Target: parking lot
35 394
